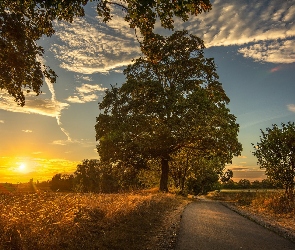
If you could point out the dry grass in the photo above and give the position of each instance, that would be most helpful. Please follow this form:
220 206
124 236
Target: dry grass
83 221
271 206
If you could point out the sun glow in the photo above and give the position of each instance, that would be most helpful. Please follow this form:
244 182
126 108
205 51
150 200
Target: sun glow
22 167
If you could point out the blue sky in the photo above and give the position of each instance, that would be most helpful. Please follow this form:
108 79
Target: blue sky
253 47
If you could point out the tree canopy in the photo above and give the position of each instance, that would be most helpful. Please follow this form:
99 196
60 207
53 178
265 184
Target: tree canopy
276 153
24 22
171 100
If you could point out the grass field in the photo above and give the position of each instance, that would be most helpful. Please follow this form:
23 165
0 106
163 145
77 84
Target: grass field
82 221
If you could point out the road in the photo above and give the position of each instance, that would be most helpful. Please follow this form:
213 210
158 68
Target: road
208 225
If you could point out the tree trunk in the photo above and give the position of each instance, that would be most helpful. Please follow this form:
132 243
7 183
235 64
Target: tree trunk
164 175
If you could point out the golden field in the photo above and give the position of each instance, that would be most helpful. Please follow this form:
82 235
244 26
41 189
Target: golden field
84 221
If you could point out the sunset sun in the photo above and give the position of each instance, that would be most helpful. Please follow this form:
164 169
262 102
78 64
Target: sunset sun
22 167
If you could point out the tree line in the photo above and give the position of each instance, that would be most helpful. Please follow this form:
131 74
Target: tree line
247 184
90 176
96 177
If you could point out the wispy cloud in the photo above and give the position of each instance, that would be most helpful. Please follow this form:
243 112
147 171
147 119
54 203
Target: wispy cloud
83 78
61 142
291 107
1 121
275 69
88 46
265 30
27 131
86 93
239 168
37 105
274 52
37 153
34 105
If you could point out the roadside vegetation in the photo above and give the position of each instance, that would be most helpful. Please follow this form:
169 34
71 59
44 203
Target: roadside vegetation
84 221
271 208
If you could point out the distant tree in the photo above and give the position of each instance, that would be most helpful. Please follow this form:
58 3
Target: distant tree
230 185
98 177
227 176
62 183
256 184
194 174
32 186
43 185
276 153
88 176
171 100
204 177
24 22
244 184
267 183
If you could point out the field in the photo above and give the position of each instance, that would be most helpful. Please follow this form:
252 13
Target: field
85 221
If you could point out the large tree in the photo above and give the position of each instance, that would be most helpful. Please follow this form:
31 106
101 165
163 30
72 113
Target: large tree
276 153
24 22
171 99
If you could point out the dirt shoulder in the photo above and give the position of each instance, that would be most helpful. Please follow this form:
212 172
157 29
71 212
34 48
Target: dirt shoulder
164 237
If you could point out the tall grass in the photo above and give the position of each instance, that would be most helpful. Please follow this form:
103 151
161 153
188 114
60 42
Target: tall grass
268 201
81 221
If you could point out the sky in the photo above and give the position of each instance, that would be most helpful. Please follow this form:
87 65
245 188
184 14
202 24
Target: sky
252 43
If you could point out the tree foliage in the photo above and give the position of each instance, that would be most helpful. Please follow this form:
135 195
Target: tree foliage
276 153
171 100
98 177
62 182
227 175
88 176
204 176
23 22
194 174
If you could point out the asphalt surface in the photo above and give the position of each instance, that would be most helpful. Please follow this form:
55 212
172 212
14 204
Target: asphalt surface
208 225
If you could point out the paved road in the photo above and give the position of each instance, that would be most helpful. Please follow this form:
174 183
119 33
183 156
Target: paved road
208 225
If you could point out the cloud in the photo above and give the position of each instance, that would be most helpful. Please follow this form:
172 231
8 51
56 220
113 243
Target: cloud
265 30
82 143
239 168
88 88
82 77
34 105
37 153
291 107
275 52
242 156
86 93
74 99
275 69
88 46
61 142
27 131
1 121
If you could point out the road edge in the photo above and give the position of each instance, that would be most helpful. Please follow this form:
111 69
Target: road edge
262 221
